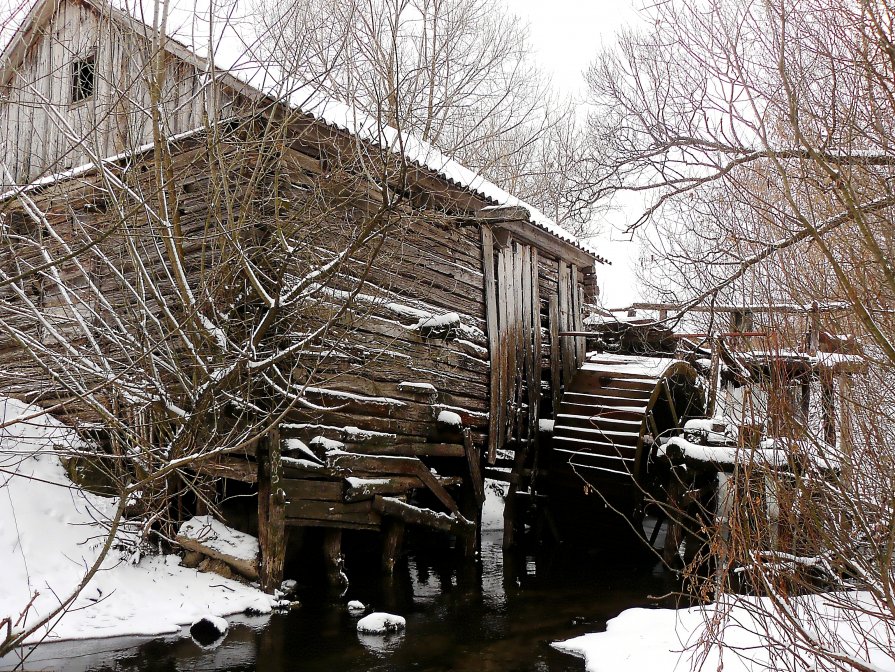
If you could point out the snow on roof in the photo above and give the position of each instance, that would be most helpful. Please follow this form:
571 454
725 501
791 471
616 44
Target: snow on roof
225 35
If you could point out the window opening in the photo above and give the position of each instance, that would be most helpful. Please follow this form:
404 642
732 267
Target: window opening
83 79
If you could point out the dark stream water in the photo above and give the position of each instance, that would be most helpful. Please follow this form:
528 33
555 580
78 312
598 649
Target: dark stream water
502 616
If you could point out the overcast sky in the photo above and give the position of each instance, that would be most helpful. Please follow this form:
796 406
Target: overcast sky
567 34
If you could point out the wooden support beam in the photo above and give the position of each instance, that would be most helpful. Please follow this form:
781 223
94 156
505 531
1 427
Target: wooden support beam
828 408
397 465
273 552
332 556
391 544
669 398
412 515
473 459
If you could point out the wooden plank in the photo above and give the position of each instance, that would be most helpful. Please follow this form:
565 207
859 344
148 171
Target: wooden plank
491 320
305 488
566 352
360 488
307 471
370 523
534 378
263 465
574 315
365 488
475 468
512 339
555 354
312 508
528 376
503 365
409 449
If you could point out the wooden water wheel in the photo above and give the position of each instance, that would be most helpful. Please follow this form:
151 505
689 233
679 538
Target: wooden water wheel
610 420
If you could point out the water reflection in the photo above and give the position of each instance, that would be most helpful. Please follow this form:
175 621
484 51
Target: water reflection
499 614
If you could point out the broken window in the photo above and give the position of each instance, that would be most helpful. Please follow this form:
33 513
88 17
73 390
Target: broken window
83 79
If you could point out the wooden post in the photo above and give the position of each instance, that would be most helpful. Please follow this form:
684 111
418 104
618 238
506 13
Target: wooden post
332 556
262 459
391 544
814 330
674 535
828 407
473 496
724 502
273 538
491 321
714 372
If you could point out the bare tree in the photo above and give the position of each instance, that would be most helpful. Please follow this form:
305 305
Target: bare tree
458 74
761 135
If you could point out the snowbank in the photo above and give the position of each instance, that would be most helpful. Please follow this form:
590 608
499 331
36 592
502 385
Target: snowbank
51 532
666 640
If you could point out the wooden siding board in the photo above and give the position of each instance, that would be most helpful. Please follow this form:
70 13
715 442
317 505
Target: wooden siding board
491 319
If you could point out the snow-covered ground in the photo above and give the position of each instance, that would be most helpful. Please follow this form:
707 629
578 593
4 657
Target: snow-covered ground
666 640
51 532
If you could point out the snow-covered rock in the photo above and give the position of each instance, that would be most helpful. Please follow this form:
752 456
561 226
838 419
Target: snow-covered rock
208 630
356 606
380 623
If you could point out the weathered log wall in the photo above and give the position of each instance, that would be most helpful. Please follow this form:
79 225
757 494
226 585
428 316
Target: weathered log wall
45 131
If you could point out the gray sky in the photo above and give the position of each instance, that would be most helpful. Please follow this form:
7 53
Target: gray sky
567 34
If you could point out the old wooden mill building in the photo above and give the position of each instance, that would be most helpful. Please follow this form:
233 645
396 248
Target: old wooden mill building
150 197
